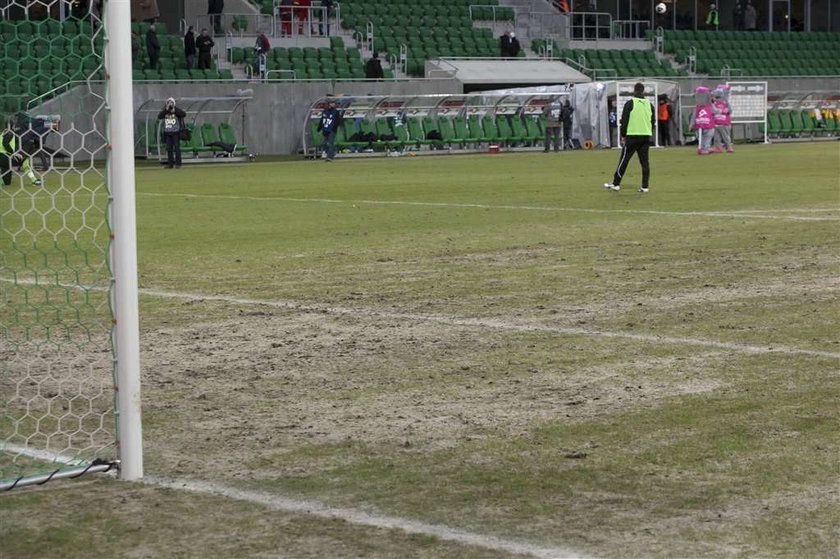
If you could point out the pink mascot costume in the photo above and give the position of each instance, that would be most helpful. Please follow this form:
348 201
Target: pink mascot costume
723 119
703 120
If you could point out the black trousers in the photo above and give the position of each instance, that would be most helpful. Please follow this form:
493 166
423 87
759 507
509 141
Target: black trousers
204 60
664 132
6 168
639 145
173 148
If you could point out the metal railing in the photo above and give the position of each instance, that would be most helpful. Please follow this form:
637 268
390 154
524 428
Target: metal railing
591 26
659 40
628 29
302 21
494 11
554 25
239 25
269 73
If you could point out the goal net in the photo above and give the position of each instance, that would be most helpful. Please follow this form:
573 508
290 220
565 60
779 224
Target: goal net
58 360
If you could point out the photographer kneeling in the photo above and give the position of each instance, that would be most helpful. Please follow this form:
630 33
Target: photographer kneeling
173 125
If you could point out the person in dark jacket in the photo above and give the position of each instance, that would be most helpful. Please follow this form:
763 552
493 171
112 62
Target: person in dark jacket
638 120
204 44
190 51
152 47
373 68
566 117
509 45
328 126
215 9
173 123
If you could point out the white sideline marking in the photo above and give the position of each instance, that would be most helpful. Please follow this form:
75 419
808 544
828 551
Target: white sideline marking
491 323
731 214
315 508
44 455
353 516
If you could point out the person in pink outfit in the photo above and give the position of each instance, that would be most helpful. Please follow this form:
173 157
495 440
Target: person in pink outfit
722 113
702 119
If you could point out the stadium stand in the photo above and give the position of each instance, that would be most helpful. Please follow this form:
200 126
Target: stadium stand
610 62
172 65
428 30
757 53
38 57
333 63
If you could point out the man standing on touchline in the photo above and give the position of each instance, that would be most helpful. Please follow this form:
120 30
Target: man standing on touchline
637 123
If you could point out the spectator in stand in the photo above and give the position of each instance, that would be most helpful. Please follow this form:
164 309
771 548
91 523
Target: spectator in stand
750 16
373 68
567 118
189 48
713 17
327 12
664 118
261 49
302 13
553 112
286 17
152 47
214 10
509 45
204 44
738 15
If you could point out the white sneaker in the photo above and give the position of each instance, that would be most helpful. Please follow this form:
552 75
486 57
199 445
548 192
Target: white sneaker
644 190
612 186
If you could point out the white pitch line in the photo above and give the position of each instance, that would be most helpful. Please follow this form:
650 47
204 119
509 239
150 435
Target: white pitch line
490 323
488 206
315 508
43 455
353 516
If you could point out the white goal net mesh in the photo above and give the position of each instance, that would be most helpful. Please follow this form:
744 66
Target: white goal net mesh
56 352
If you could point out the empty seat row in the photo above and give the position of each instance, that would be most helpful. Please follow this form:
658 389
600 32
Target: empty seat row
801 123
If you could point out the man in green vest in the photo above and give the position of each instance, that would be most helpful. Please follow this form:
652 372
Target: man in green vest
713 17
637 122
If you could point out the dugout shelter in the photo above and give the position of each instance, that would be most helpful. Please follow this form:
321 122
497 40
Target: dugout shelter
218 127
430 124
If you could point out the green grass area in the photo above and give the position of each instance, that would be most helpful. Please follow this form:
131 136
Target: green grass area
494 343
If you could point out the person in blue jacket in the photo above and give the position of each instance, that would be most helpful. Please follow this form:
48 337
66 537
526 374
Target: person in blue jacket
328 126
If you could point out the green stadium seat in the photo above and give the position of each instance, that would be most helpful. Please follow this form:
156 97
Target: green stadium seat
450 132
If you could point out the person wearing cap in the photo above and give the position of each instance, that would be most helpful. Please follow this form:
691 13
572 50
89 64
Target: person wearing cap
638 119
173 123
328 126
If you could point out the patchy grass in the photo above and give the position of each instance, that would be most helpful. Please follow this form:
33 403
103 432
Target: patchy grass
485 342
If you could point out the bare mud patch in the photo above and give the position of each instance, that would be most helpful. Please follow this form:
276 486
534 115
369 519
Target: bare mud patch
239 395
